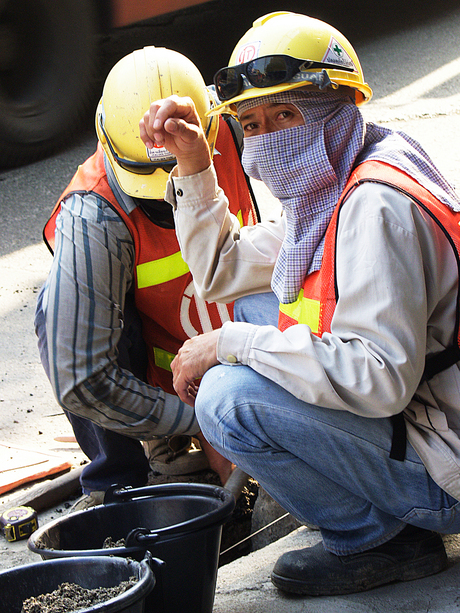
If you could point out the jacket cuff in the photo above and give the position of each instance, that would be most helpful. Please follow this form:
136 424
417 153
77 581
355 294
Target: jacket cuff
191 190
235 342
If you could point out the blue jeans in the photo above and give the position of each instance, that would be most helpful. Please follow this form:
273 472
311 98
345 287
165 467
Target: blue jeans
326 467
115 459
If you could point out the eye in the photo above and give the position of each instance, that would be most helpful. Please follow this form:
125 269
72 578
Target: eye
250 126
285 114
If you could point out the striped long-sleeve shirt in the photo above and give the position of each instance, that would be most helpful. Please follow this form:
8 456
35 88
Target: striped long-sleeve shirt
81 309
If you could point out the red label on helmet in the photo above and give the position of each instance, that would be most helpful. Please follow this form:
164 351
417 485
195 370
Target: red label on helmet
159 154
248 52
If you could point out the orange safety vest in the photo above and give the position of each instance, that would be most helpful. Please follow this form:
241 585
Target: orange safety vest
164 291
317 299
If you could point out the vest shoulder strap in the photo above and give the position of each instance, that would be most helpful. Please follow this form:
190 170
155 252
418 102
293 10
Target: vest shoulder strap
90 176
446 219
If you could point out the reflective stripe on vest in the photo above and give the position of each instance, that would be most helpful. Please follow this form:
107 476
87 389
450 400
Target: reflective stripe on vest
161 270
163 358
303 311
165 269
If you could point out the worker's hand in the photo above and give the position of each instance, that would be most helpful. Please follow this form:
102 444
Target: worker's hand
173 123
194 358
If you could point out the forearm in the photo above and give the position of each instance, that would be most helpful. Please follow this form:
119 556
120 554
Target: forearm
116 400
227 261
337 375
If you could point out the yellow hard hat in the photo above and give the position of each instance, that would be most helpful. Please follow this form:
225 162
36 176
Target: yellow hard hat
134 82
284 51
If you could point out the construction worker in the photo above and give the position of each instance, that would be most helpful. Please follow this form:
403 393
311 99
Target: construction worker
354 394
119 299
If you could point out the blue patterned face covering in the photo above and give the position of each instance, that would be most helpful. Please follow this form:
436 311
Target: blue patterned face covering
306 168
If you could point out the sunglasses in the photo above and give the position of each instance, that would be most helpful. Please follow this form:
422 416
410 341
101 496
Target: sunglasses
141 168
267 71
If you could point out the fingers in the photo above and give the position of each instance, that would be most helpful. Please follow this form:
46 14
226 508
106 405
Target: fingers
186 390
183 384
174 124
193 359
161 119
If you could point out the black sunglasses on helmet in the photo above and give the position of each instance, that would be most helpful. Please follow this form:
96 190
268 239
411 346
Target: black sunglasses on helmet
267 71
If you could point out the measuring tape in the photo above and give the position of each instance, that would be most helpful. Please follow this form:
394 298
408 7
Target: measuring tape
18 523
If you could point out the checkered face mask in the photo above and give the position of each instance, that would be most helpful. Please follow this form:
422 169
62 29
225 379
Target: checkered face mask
306 168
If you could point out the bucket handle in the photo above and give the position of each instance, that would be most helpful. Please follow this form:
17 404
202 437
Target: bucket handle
140 535
146 537
122 493
155 563
215 517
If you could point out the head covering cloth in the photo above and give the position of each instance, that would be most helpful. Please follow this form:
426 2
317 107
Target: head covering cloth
307 167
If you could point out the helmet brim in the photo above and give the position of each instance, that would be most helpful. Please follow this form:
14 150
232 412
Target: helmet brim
363 92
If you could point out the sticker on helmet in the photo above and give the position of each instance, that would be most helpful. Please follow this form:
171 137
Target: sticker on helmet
248 52
336 54
159 154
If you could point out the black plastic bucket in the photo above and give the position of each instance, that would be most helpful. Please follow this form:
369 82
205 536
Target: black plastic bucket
179 523
23 582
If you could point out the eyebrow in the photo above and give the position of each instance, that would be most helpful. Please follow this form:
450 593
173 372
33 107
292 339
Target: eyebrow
247 114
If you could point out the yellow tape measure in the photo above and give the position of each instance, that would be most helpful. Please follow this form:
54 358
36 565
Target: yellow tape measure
18 523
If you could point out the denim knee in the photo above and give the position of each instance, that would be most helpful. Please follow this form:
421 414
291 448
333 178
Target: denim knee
210 399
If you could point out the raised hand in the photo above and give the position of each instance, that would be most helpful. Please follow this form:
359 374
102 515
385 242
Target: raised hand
173 123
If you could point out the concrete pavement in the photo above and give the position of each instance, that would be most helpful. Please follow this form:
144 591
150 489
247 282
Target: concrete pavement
244 586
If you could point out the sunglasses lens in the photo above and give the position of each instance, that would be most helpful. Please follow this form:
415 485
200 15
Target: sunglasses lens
227 82
261 72
267 71
144 169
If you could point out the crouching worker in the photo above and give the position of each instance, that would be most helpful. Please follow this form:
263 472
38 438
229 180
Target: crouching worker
348 411
119 299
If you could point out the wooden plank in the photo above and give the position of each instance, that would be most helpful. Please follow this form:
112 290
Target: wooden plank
44 495
19 465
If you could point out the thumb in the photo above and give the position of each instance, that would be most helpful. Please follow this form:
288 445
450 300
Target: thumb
187 132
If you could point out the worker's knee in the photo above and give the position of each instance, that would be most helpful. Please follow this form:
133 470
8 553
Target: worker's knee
227 401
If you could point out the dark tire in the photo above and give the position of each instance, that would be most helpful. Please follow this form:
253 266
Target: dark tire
48 58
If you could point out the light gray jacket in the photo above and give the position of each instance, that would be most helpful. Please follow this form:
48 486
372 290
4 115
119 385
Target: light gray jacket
397 281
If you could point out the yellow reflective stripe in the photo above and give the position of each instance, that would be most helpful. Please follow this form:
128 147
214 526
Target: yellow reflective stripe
161 271
163 358
303 311
239 216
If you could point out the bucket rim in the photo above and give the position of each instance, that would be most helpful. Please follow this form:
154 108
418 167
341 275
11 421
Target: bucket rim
143 571
117 493
140 538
